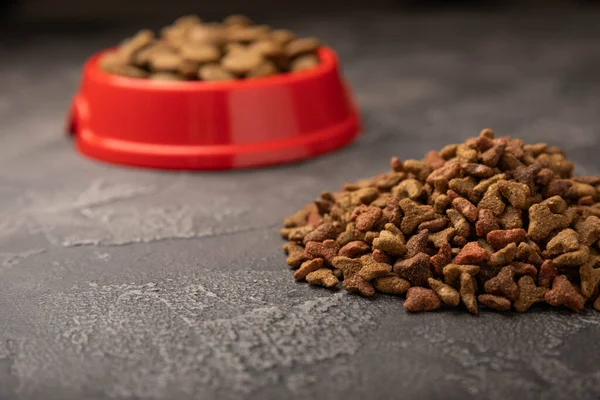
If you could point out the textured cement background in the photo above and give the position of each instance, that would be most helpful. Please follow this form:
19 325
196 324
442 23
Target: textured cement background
120 283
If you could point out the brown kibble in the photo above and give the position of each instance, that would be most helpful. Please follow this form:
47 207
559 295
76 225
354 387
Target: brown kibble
349 235
471 254
478 170
305 62
459 222
434 159
237 19
266 68
364 196
322 277
214 72
492 200
411 188
563 293
382 257
516 193
396 164
463 186
356 284
459 241
529 294
449 151
441 237
597 303
326 250
435 225
503 256
417 243
282 36
492 156
498 303
503 284
565 241
446 293
527 253
241 62
390 243
415 269
548 272
421 299
590 277
500 238
467 292
295 254
441 259
203 53
372 269
392 211
522 269
367 217
585 201
391 284
414 214
448 172
542 220
588 230
322 232
307 267
354 249
419 168
297 234
453 271
371 236
297 47
466 154
348 266
573 258
510 218
441 203
486 222
466 208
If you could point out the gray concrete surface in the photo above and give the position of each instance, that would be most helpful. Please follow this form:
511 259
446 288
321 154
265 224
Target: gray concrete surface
119 283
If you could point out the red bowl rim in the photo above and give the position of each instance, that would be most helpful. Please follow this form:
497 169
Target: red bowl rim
327 56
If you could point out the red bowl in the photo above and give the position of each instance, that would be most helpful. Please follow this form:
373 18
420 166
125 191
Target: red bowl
206 125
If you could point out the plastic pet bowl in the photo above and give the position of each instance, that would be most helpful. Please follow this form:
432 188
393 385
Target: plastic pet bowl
213 125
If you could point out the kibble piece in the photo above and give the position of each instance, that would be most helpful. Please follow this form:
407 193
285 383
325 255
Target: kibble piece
492 200
446 293
548 272
241 62
368 217
204 53
267 68
356 284
417 243
588 230
510 219
282 36
166 76
459 222
528 294
495 302
391 284
565 241
372 269
503 256
322 277
527 253
500 238
439 238
453 271
563 293
214 72
471 254
590 277
415 269
421 299
326 250
414 214
516 193
307 267
503 284
542 221
441 259
467 293
348 266
390 243
322 232
297 47
486 222
354 249
295 254
466 208
573 258
304 62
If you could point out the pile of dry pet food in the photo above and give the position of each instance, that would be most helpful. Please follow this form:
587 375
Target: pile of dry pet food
493 222
191 49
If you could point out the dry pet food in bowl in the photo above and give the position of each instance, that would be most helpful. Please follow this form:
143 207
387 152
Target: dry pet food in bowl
212 96
492 221
191 49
